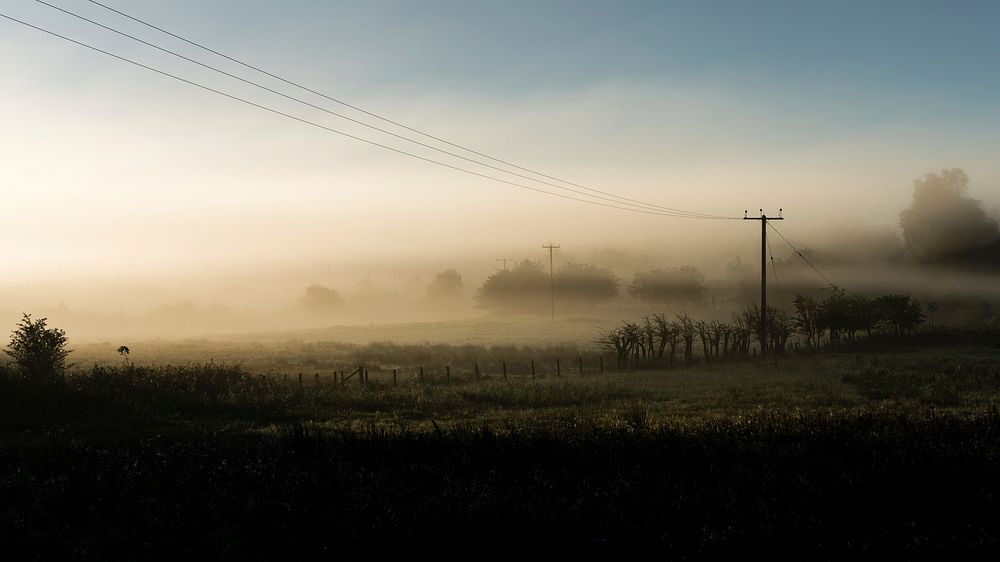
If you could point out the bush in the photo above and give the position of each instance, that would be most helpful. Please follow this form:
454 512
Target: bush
38 352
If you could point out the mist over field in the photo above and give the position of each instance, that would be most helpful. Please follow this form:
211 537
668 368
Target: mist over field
947 249
138 206
427 279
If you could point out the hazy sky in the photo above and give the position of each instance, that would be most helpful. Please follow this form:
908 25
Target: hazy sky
827 109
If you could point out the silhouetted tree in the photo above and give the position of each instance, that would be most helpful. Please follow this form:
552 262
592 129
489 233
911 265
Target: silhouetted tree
648 338
742 329
834 313
704 335
779 328
899 311
685 328
720 336
667 335
38 352
616 340
124 351
807 318
861 315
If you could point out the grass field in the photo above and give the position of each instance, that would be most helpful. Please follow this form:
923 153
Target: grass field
833 454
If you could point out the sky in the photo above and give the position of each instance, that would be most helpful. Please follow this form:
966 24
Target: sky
828 110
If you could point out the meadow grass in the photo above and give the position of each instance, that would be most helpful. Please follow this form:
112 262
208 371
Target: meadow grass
836 454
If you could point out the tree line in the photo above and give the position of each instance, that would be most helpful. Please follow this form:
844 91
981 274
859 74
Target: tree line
526 287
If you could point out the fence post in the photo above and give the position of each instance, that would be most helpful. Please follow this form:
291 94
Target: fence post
532 369
477 371
394 380
558 369
316 379
421 373
366 375
284 377
300 380
447 373
602 364
504 370
580 360
361 374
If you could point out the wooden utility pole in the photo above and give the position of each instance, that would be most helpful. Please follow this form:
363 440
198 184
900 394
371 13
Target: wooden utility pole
552 279
762 329
505 260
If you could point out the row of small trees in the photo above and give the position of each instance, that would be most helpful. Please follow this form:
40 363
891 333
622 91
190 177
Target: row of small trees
657 337
833 319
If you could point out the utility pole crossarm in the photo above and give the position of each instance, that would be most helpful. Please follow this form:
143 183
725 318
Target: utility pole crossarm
762 334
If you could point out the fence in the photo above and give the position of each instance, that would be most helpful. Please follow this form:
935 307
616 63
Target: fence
523 369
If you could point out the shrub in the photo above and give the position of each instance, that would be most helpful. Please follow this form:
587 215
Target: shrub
38 352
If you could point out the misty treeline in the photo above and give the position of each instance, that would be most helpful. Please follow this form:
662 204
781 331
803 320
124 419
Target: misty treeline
837 318
447 285
527 287
942 226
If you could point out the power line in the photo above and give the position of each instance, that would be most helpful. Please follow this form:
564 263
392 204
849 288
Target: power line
796 250
613 199
342 133
401 125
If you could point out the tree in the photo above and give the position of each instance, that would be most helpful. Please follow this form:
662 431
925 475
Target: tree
705 336
944 224
666 335
742 328
899 311
39 352
861 315
779 327
721 333
684 326
321 299
807 318
446 285
616 340
835 313
123 350
579 284
660 286
524 288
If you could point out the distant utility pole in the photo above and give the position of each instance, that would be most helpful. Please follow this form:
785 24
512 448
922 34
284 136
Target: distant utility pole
763 274
505 260
552 278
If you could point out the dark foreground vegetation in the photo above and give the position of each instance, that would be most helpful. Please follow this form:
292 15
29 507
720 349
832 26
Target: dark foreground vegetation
832 455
